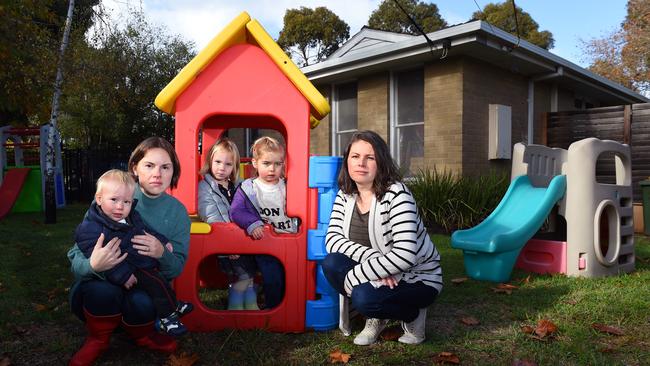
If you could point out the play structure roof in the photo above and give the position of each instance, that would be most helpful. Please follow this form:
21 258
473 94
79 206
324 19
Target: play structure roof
240 31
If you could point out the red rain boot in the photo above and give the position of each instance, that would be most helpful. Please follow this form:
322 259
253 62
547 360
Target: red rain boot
99 329
145 336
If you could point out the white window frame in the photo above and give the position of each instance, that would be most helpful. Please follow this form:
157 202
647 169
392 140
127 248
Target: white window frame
335 132
394 127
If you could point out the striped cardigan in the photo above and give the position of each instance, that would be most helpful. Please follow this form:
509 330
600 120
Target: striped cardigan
401 246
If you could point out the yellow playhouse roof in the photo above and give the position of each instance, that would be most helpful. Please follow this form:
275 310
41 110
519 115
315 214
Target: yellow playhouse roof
243 30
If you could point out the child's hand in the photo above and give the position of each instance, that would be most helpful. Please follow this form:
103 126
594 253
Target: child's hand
169 247
130 282
233 256
258 233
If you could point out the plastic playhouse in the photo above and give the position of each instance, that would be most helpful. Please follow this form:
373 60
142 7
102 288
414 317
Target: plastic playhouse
599 227
22 180
242 79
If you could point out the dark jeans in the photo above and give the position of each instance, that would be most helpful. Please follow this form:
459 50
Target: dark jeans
241 268
102 298
401 303
273 279
158 289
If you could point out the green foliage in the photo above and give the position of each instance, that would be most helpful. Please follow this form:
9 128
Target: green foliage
30 35
389 17
448 202
310 35
624 55
113 81
501 15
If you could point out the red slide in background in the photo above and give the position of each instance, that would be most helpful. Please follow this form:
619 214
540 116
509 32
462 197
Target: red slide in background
10 189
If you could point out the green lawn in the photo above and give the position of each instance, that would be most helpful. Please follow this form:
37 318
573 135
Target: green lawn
36 327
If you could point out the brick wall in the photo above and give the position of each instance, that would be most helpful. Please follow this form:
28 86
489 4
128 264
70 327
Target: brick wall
372 103
483 85
319 137
443 104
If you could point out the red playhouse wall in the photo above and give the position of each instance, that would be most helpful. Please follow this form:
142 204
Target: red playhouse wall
243 88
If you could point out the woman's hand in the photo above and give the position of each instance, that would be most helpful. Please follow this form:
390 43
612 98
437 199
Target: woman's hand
105 257
148 245
389 281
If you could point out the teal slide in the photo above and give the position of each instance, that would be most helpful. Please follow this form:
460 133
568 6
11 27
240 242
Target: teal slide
491 248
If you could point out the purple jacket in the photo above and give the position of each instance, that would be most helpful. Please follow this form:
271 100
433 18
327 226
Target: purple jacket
244 209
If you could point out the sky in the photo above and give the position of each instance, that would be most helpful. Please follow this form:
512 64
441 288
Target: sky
570 21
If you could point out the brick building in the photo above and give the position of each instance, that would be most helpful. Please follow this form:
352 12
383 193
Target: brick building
459 102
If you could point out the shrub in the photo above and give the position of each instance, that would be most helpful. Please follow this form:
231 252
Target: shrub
448 202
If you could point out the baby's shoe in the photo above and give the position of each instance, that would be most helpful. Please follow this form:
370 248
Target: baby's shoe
235 299
250 298
183 308
414 331
171 325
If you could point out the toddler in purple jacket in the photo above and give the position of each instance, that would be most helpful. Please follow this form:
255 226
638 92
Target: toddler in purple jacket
263 200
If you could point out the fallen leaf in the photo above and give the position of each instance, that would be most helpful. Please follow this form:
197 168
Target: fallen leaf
392 333
446 357
528 329
507 286
545 328
459 280
182 360
518 362
607 329
337 356
27 254
469 320
570 302
40 307
501 290
608 348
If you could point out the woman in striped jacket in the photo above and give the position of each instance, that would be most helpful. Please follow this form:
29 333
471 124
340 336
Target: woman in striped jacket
380 255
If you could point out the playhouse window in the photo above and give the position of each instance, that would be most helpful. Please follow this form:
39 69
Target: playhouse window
345 116
407 120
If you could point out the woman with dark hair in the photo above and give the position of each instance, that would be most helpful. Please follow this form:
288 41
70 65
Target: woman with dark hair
104 306
380 255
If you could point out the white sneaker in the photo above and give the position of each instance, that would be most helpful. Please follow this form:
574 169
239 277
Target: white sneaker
414 331
370 332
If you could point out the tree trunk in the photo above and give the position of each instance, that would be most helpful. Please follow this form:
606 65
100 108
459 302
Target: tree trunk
50 198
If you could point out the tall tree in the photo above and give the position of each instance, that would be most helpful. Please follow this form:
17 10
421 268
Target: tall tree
310 35
114 79
624 55
389 17
502 15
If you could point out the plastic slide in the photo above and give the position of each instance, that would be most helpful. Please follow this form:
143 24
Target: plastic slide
10 189
490 249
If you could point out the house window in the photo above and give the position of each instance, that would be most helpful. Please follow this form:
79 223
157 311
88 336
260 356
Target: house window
345 116
407 120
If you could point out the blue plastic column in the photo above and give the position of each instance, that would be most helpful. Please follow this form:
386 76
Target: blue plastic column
322 314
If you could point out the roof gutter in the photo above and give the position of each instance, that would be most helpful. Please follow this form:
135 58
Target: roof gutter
531 98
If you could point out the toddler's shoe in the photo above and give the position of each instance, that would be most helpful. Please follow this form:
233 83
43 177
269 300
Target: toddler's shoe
250 299
171 325
183 308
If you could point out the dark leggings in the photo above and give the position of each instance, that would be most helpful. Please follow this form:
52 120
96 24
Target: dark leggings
401 303
102 298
